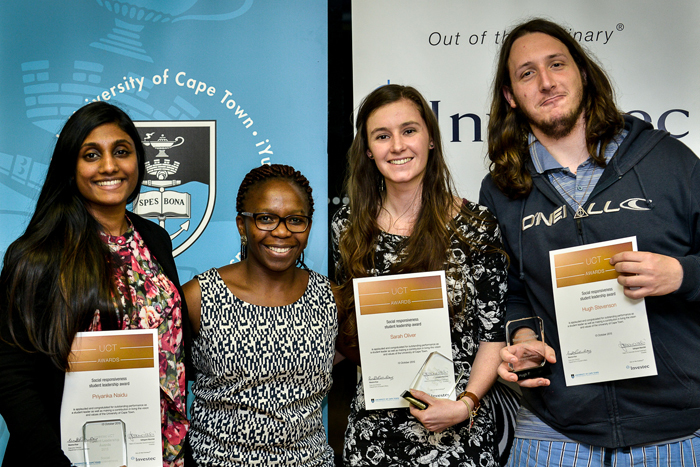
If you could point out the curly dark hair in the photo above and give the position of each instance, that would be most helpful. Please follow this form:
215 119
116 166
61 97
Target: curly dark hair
271 172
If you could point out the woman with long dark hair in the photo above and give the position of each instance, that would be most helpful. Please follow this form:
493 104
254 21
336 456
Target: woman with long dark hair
86 264
404 216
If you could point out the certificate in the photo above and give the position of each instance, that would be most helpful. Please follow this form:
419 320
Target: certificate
604 335
401 320
110 414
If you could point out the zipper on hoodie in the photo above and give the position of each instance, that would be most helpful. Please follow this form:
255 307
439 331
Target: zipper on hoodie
579 229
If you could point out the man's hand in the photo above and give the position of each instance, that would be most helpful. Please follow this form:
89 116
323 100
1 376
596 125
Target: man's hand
645 274
525 348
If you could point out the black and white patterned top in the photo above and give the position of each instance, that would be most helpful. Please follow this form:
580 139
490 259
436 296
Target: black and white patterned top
262 373
476 286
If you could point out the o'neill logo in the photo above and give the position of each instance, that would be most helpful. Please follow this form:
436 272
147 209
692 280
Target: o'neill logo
179 186
534 220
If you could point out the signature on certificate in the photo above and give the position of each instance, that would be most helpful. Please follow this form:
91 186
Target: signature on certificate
629 346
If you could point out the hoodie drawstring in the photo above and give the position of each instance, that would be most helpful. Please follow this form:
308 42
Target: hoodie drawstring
520 240
649 202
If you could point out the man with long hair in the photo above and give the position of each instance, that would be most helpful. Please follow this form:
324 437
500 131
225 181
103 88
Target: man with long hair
568 169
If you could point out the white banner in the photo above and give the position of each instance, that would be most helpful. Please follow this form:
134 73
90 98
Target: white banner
447 49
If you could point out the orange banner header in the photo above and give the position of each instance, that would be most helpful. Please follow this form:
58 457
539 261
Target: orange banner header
586 266
405 294
114 352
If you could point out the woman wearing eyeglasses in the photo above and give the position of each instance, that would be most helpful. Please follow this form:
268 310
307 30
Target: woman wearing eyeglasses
265 336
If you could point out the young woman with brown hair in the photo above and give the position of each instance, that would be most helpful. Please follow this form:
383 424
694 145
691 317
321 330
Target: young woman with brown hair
404 216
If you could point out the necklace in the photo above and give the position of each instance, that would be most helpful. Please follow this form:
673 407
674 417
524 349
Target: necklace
392 225
580 212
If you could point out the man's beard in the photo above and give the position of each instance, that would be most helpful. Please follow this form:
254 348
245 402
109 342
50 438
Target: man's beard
559 127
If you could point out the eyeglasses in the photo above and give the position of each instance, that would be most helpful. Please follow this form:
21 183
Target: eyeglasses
295 223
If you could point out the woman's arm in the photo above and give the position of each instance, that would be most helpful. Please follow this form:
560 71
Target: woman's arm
341 348
351 353
444 413
484 371
490 291
31 390
26 385
193 297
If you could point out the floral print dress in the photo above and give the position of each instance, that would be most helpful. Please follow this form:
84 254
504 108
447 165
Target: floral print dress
476 285
155 303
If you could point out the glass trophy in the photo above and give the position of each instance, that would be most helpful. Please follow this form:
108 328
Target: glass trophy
435 377
526 336
104 443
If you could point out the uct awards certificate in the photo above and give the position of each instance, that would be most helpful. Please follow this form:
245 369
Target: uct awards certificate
110 414
604 335
401 319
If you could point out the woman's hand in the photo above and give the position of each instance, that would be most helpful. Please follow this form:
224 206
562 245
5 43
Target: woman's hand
441 413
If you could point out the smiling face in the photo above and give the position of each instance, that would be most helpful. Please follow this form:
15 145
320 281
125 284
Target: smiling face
279 249
546 85
399 142
106 172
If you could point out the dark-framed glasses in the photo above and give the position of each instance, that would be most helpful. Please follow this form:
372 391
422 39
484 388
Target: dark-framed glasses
295 223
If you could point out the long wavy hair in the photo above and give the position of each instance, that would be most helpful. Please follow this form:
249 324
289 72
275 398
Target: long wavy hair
59 271
508 128
427 247
266 173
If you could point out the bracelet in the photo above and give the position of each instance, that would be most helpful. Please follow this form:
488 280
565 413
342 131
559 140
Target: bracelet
477 405
473 397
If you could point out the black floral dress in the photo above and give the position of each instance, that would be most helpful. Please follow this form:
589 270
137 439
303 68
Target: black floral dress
476 285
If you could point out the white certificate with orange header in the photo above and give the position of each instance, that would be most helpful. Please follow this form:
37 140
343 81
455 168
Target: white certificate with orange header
110 414
604 335
401 319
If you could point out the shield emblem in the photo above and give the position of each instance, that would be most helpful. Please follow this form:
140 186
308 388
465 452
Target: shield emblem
179 186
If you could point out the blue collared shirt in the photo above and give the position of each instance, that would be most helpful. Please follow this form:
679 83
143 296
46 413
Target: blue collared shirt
575 188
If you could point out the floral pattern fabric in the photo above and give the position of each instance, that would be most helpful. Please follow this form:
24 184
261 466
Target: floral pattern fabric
476 286
154 303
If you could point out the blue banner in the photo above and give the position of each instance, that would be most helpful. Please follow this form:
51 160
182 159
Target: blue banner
218 88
